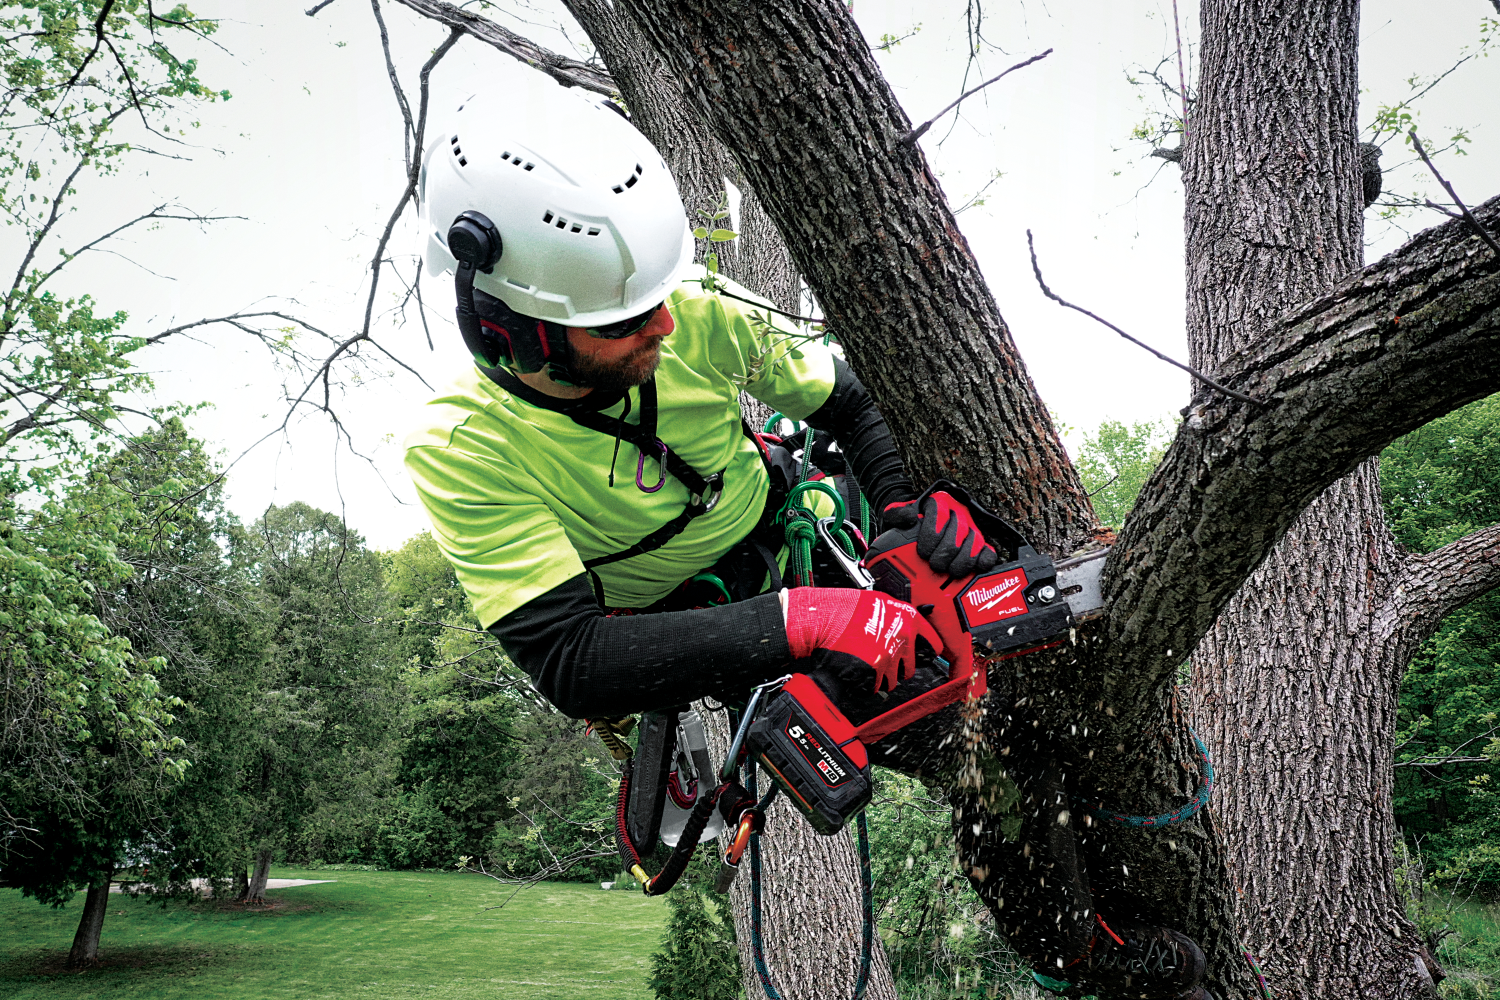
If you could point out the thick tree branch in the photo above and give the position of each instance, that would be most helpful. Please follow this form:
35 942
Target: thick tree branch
1438 583
1406 340
568 72
794 93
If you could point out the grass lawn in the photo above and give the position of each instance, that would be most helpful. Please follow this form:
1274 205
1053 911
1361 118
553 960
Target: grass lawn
369 934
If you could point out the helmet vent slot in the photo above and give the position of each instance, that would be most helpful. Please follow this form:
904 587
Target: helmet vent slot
458 152
551 218
630 183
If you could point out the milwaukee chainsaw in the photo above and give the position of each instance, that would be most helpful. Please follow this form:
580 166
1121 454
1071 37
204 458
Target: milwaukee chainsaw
796 729
808 745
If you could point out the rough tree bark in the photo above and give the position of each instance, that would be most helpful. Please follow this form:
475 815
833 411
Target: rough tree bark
85 950
1296 685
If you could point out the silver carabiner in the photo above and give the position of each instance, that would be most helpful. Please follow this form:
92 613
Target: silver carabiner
855 569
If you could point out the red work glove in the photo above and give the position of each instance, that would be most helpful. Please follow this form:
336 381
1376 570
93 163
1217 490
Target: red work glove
878 631
947 536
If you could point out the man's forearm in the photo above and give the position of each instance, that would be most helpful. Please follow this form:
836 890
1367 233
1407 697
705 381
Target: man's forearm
591 666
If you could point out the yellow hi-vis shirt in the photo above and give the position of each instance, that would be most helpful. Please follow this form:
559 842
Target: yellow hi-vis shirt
519 495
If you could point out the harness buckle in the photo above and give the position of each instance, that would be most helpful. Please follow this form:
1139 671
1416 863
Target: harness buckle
713 488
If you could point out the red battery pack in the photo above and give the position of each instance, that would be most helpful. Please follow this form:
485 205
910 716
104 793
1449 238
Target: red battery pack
813 753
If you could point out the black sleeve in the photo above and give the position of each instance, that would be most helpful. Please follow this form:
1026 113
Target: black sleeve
592 667
851 417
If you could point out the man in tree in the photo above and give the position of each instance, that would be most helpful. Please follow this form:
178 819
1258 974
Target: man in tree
573 265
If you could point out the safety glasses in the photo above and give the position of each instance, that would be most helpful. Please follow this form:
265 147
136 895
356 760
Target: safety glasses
625 327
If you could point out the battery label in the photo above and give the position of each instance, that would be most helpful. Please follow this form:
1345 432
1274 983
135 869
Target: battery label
810 743
995 598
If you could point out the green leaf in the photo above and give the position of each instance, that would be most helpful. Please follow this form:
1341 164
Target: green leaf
700 233
713 263
722 235
795 355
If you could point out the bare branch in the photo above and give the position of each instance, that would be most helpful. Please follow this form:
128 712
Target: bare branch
98 41
1435 585
312 11
921 130
569 72
1036 268
390 69
1181 70
1468 216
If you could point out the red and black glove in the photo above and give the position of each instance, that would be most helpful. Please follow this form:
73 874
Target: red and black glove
947 536
872 628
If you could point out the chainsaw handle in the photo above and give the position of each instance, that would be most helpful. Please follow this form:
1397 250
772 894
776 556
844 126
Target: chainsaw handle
995 529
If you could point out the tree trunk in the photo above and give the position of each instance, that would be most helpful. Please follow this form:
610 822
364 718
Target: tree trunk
85 950
811 910
257 887
810 889
1298 693
241 883
1294 687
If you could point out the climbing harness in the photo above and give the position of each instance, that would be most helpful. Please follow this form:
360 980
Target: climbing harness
703 491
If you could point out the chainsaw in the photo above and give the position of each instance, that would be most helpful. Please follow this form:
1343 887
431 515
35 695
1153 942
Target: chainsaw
808 745
796 730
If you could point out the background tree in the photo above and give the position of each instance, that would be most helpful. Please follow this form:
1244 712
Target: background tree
1439 483
326 719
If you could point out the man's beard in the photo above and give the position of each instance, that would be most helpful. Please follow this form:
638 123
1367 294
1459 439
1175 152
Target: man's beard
618 375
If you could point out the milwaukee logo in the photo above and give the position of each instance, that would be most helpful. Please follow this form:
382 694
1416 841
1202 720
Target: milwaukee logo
995 597
877 616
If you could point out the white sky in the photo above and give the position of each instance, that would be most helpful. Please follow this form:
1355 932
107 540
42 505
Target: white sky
309 151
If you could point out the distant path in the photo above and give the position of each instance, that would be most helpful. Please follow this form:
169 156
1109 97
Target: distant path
201 884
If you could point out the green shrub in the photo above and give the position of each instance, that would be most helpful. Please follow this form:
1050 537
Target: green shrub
699 959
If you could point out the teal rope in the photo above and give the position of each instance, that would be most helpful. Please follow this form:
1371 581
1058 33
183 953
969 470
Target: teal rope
866 889
1197 802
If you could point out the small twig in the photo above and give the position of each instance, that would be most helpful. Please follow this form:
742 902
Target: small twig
1037 270
911 137
762 305
313 10
1106 486
1181 72
1468 216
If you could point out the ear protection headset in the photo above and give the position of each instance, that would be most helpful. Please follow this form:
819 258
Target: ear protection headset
491 329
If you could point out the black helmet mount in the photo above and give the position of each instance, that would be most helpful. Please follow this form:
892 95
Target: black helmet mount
492 330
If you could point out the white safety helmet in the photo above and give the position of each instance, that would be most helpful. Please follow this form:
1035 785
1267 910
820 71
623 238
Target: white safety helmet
585 216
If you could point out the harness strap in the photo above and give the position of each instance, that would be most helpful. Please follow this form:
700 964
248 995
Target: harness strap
704 490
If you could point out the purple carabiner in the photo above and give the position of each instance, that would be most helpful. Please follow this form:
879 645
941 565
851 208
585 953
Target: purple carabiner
640 468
